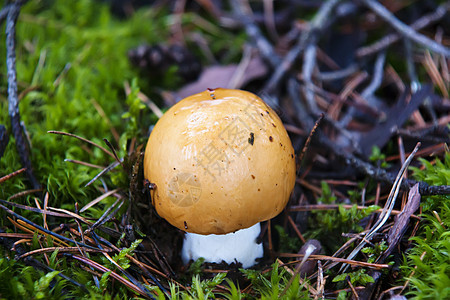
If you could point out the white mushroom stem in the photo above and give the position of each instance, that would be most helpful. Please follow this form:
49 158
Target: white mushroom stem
237 246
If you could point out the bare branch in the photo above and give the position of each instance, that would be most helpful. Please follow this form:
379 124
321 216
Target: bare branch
261 43
308 37
13 99
389 39
406 30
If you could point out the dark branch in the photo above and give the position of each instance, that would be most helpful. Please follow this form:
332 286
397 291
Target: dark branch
13 99
389 39
4 12
261 43
309 37
406 30
378 174
368 92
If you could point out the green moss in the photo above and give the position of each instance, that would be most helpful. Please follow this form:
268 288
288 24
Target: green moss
427 264
26 282
69 60
328 226
277 284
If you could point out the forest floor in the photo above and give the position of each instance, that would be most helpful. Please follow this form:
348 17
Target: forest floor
362 88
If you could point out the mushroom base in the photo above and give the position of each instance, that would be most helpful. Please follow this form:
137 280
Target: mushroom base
237 246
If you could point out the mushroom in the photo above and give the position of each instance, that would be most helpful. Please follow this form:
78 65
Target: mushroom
221 162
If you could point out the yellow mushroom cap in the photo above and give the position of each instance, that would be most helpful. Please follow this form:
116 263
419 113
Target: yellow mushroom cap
221 161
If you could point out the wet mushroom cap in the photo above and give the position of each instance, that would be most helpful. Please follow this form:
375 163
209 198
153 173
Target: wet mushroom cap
221 161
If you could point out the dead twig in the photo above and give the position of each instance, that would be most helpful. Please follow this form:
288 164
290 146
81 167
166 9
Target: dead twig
310 288
25 193
378 174
320 281
4 139
389 39
60 250
128 275
410 67
269 55
110 146
308 141
309 62
114 275
381 133
355 294
37 210
297 231
308 251
404 29
312 207
107 215
303 116
401 223
83 163
395 234
61 237
102 172
4 12
262 44
11 175
385 214
335 259
98 199
338 74
13 99
84 140
308 37
8 243
368 92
